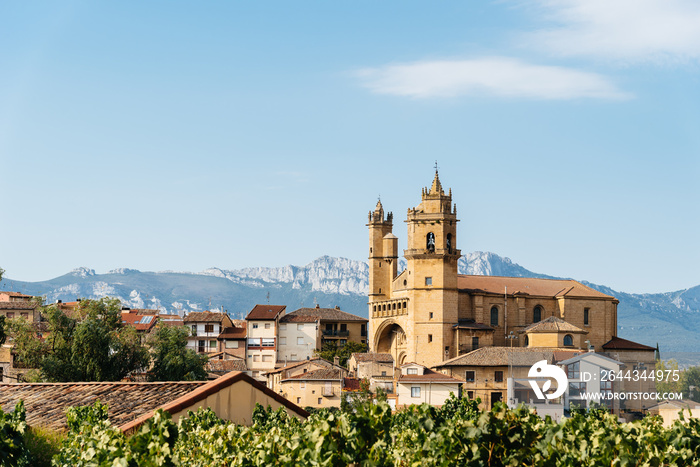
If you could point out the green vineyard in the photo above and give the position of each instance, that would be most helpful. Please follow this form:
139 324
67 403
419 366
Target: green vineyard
366 435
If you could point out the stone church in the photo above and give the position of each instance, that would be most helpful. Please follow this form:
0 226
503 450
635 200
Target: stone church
429 313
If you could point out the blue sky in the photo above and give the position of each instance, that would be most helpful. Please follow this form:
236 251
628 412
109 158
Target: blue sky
186 135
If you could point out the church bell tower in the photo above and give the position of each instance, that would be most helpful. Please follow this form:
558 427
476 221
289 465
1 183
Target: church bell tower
432 257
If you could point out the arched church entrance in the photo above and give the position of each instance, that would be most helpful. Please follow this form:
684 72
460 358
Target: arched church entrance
391 339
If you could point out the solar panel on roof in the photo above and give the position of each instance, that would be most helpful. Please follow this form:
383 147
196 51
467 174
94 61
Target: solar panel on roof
146 319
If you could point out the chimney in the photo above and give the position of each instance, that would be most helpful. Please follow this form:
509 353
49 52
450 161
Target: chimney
336 360
337 307
318 306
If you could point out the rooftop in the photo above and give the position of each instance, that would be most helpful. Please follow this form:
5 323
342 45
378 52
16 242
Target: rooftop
554 324
46 403
373 357
618 343
528 286
505 356
233 333
324 314
320 374
265 312
205 317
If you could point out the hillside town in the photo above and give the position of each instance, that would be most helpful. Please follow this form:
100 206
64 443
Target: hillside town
431 333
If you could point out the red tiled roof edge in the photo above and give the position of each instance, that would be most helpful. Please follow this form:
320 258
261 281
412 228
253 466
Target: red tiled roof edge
618 343
201 393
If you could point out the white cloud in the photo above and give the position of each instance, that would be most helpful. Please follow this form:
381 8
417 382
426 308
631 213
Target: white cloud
499 76
629 30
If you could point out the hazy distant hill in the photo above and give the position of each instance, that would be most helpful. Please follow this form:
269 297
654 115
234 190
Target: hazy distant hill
672 319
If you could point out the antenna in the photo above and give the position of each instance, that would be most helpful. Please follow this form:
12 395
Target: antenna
268 298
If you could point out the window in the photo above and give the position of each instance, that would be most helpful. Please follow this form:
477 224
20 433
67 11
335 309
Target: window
568 340
449 243
283 341
212 344
475 343
498 376
270 342
253 342
194 329
411 371
430 242
283 327
231 344
255 325
267 325
527 341
431 315
428 281
576 389
470 394
573 370
469 377
319 400
415 391
300 327
430 337
298 400
383 373
537 314
342 342
208 328
494 316
585 316
256 358
26 315
344 327
302 385
293 357
267 358
300 341
10 314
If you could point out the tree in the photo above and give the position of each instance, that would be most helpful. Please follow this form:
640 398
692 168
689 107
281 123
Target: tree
92 346
691 383
172 360
3 333
330 350
668 383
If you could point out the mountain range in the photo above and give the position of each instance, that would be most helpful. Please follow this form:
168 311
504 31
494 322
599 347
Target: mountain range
670 319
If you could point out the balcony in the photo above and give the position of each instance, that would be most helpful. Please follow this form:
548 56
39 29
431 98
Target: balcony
335 333
328 392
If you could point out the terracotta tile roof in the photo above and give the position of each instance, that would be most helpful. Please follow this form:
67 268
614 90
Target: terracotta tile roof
316 361
46 403
17 306
504 356
320 374
471 324
528 286
233 333
351 384
296 318
205 317
429 376
139 322
265 312
618 343
223 355
328 314
224 366
553 324
202 392
16 294
373 357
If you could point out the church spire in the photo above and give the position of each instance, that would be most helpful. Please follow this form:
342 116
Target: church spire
436 188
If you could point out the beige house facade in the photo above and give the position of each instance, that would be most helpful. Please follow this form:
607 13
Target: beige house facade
420 385
262 341
205 327
429 313
315 388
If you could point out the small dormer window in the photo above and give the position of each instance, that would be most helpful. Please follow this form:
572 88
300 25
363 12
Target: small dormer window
412 371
